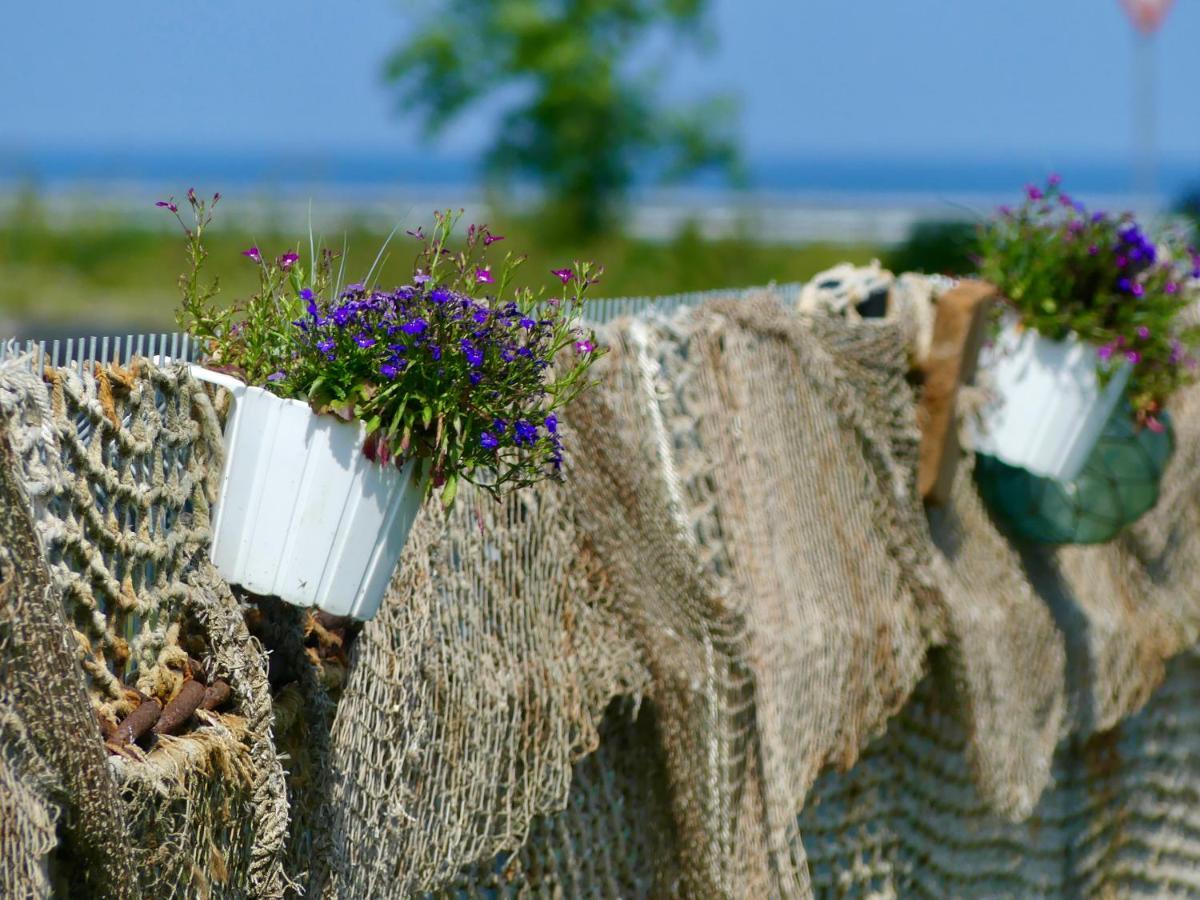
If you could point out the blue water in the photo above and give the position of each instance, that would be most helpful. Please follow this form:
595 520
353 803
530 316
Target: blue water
361 172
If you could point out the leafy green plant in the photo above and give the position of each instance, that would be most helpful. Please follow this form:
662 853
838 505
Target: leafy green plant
1098 276
455 369
578 116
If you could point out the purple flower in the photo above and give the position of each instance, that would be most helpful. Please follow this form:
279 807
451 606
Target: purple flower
439 295
342 315
277 376
1138 289
527 323
484 276
1125 285
1054 180
216 198
168 204
353 289
1176 351
507 354
253 254
481 315
489 239
473 354
1171 287
416 326
1006 211
1093 250
435 351
552 423
500 425
1143 332
1133 356
475 377
488 441
584 346
306 294
288 260
420 277
389 371
418 234
1105 352
365 341
524 432
1122 262
1033 192
564 275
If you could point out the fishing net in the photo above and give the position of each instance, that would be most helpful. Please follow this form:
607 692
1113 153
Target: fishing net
731 656
109 478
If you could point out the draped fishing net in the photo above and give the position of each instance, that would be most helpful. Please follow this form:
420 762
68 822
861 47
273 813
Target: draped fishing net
107 480
731 656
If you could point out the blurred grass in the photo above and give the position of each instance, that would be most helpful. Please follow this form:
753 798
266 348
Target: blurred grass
105 269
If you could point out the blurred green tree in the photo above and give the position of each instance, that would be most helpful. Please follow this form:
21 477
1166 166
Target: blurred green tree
586 122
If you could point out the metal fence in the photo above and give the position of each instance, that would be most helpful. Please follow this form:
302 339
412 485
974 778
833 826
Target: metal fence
180 347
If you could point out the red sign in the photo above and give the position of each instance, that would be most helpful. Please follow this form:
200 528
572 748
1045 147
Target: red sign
1147 15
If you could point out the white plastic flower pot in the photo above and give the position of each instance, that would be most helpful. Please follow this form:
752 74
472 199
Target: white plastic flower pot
1047 407
301 513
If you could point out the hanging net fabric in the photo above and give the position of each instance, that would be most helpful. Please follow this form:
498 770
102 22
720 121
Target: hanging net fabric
731 657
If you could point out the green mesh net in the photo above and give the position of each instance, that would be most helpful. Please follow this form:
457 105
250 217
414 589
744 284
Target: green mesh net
1117 486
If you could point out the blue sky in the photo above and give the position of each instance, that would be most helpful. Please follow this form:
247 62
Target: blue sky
1045 80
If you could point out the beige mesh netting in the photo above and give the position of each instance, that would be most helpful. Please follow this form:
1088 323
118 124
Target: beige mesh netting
731 656
111 475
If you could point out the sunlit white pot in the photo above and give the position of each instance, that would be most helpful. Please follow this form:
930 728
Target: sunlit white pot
1046 406
301 513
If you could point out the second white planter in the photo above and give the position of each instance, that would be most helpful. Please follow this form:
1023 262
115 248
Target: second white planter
1047 406
301 513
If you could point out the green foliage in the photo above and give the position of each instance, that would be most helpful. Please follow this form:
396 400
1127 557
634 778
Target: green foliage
583 124
947 248
1098 276
465 383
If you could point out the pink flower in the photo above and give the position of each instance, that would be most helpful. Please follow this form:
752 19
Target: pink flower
288 260
168 204
1054 180
1143 332
584 346
253 254
484 276
1133 356
489 239
1154 425
1033 192
564 275
1105 352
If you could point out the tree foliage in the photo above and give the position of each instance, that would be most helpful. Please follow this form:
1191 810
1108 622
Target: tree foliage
579 117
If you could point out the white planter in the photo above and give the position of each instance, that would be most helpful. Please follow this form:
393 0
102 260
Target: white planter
301 513
1046 408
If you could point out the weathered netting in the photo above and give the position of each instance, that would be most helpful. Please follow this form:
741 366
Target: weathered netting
116 471
731 656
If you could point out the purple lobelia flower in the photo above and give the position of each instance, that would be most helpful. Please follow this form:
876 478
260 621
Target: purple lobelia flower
489 239
488 441
277 376
440 295
552 423
524 432
420 278
584 346
288 260
168 204
1143 332
253 254
563 275
1105 352
484 276
1133 356
365 341
415 327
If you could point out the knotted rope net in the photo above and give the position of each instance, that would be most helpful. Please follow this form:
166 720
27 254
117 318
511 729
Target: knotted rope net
731 656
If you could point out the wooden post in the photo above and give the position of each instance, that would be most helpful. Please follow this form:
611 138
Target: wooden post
958 331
